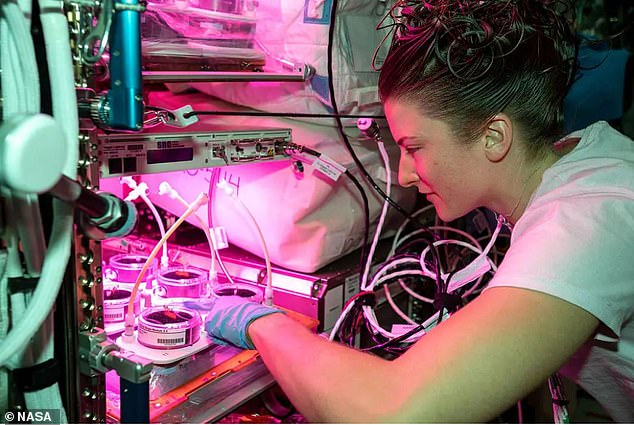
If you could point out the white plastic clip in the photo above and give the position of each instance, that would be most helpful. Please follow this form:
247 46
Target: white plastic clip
180 120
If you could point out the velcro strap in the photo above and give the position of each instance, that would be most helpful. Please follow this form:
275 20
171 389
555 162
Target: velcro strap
22 284
37 377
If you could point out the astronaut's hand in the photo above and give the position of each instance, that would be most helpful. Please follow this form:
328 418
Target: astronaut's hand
229 318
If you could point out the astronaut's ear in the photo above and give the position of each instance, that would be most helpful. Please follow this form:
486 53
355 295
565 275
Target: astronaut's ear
497 138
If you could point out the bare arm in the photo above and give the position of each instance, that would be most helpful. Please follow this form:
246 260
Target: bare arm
469 368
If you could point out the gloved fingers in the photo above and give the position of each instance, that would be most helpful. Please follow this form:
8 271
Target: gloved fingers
227 301
219 341
216 302
205 305
217 337
230 316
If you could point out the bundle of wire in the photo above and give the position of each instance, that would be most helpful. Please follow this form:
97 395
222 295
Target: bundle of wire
408 269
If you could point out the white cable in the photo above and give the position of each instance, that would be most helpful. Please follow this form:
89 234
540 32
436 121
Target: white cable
423 263
380 277
466 235
391 264
4 328
377 233
414 294
20 85
480 264
397 309
48 286
56 38
60 65
166 189
49 397
339 321
368 312
371 317
268 291
13 85
25 56
140 191
395 245
56 259
386 278
202 199
474 241
477 286
54 266
472 269
397 241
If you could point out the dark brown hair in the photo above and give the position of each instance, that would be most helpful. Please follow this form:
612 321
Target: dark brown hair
466 61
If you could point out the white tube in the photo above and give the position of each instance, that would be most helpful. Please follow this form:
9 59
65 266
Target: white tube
24 55
161 226
48 286
64 102
395 308
377 233
139 190
49 397
20 85
396 241
268 292
65 108
60 65
12 75
166 189
129 318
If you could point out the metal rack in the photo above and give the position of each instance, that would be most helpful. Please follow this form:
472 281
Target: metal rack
86 354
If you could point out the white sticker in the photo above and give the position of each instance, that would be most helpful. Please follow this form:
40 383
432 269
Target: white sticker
160 338
401 328
351 286
329 167
333 304
115 314
219 235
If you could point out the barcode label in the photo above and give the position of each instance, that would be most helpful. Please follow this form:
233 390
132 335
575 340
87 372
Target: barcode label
175 341
113 314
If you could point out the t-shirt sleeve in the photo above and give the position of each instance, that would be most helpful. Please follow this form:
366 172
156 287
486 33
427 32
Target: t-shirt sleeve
579 249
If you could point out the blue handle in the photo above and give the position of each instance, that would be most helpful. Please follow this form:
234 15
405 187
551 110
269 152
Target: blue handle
125 97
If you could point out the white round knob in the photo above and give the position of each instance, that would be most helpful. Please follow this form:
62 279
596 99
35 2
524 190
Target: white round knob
32 153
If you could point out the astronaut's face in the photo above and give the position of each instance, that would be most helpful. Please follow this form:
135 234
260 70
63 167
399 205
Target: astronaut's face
446 170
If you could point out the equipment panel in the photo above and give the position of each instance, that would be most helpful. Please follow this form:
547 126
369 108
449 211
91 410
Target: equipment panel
148 153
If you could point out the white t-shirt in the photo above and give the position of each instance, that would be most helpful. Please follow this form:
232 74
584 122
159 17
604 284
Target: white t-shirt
575 241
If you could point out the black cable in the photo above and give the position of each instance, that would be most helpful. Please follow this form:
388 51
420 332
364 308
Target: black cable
410 246
364 198
396 340
344 137
347 328
335 108
352 320
277 114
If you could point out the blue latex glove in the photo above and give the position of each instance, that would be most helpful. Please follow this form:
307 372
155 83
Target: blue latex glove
229 318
